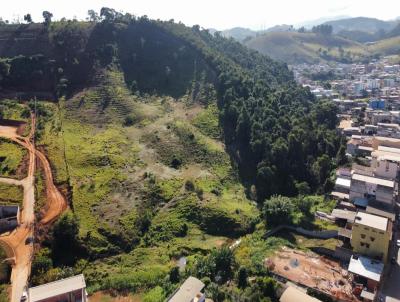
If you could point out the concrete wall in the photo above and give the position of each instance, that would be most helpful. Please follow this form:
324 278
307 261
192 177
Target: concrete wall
370 241
385 168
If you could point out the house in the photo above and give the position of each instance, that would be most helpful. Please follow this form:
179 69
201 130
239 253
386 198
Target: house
368 273
385 162
377 104
385 141
349 131
189 291
374 188
71 289
292 294
388 130
371 235
359 145
342 187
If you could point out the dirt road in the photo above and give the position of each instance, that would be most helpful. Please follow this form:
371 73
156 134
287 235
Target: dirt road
16 244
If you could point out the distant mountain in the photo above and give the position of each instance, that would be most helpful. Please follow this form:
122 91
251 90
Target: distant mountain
310 23
294 47
395 31
239 33
370 25
278 28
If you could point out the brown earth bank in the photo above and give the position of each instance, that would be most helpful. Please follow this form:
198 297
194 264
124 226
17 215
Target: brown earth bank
108 296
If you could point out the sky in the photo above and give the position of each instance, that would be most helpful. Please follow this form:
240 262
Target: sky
218 14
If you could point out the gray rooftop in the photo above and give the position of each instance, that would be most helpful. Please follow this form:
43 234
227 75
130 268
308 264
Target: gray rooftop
188 290
366 267
56 288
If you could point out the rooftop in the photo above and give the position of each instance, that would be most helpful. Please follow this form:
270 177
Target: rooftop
344 214
188 290
56 288
380 212
374 180
292 294
366 267
344 182
373 221
388 149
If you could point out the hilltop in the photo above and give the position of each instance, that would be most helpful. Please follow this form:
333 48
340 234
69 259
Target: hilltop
294 47
166 141
364 24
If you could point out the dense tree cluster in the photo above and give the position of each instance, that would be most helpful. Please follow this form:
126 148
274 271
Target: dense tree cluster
323 29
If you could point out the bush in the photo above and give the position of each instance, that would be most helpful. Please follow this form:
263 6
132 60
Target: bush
278 210
66 245
242 277
129 121
189 186
176 162
174 275
154 295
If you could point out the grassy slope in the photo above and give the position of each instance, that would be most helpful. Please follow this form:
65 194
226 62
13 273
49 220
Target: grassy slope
10 194
390 46
13 155
293 47
114 170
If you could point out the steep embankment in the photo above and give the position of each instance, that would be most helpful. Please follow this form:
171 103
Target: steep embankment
293 47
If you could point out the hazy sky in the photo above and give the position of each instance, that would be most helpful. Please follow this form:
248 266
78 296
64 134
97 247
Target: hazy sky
219 14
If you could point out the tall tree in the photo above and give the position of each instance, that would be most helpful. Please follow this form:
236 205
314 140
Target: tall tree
28 18
93 16
47 17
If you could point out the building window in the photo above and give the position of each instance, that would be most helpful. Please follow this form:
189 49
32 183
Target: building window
372 239
367 229
363 236
367 245
362 243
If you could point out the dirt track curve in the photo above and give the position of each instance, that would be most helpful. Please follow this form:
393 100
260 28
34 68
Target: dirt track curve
15 243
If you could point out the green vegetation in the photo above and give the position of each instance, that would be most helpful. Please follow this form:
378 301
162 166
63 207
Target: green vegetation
10 194
208 122
135 140
11 156
296 47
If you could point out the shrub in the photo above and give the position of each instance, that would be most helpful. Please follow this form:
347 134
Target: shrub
278 210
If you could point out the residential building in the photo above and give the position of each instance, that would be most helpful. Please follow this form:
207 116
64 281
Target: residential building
373 188
371 235
189 291
71 289
367 273
377 104
385 162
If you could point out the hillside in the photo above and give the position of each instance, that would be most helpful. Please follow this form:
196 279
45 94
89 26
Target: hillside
294 47
364 24
165 140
